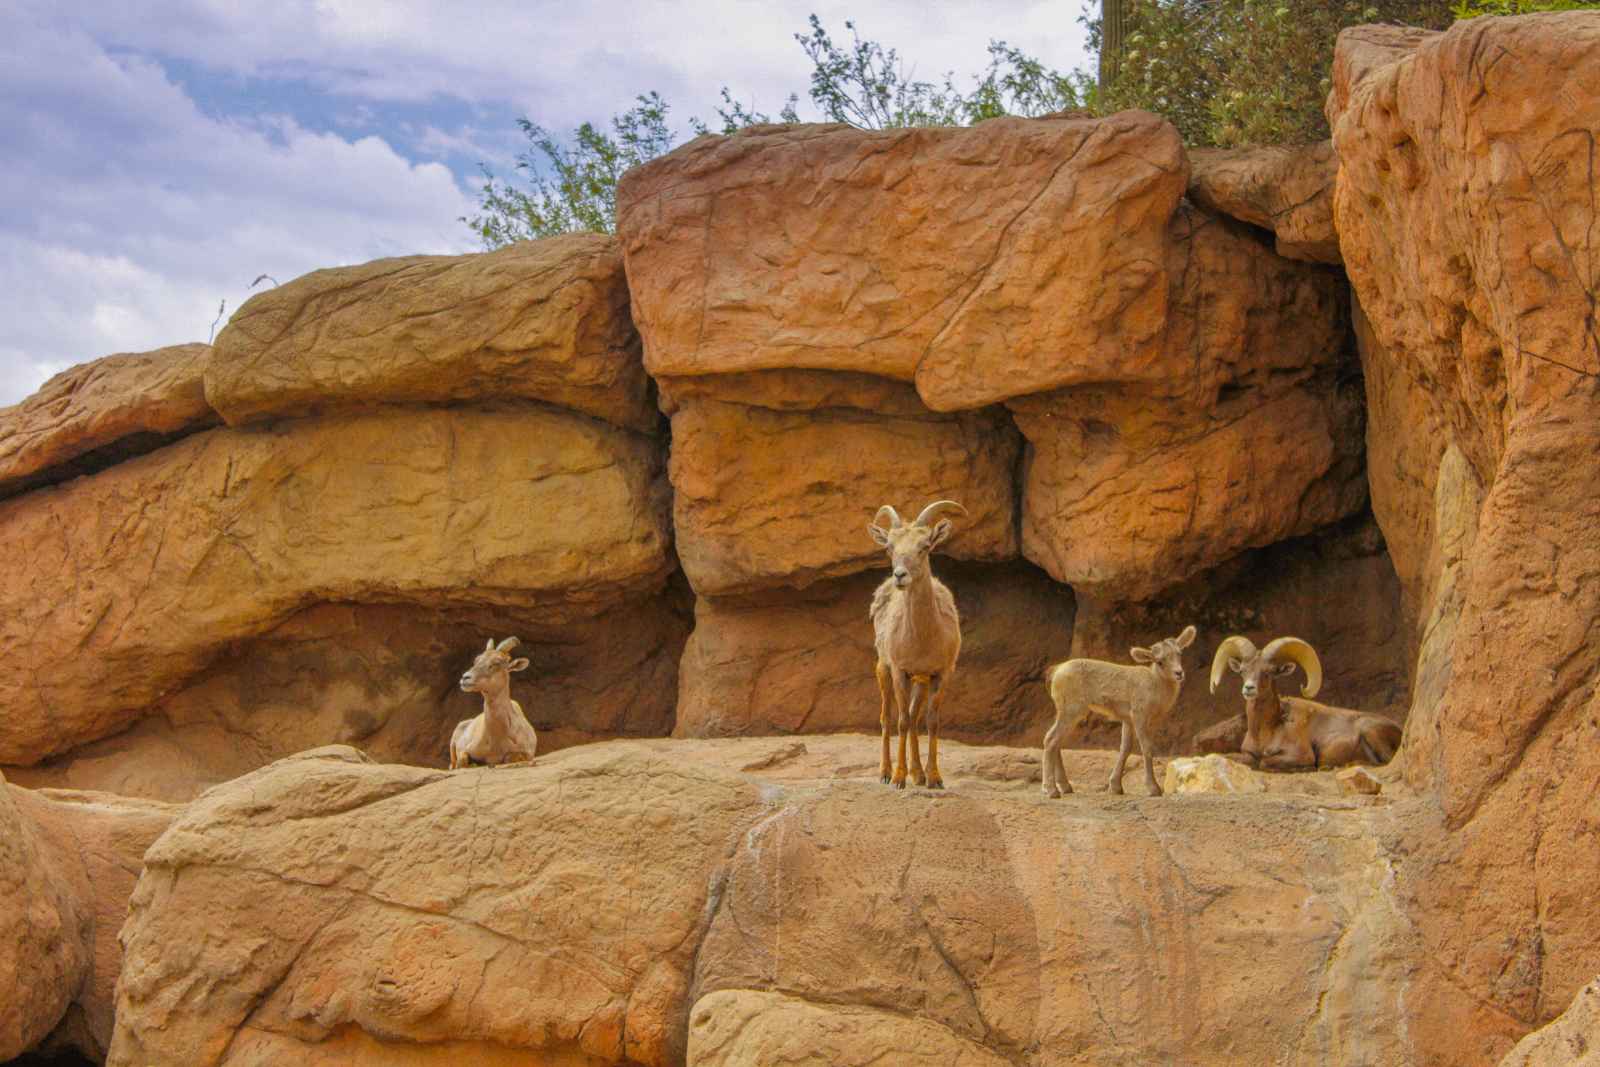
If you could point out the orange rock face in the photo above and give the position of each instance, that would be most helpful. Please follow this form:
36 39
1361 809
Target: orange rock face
143 574
538 320
1286 190
68 863
766 497
384 677
98 413
1465 209
979 263
652 903
803 663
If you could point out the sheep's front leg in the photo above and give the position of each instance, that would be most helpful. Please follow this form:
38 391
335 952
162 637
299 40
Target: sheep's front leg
1144 754
903 723
1115 785
885 698
919 708
935 702
1052 770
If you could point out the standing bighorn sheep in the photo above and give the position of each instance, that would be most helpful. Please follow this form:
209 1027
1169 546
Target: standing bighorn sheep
1291 733
500 734
1134 696
918 637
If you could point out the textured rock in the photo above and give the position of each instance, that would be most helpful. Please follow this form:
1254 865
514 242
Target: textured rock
765 497
142 575
92 847
98 413
646 901
384 677
1359 780
1253 436
803 662
1288 190
538 320
1572 1040
733 1028
1014 256
45 934
1210 774
1465 210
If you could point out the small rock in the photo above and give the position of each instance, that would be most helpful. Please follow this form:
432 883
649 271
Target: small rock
1211 774
1359 780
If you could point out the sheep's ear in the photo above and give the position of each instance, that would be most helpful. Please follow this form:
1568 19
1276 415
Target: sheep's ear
1235 664
518 664
490 646
941 530
1286 668
1186 638
879 534
1141 655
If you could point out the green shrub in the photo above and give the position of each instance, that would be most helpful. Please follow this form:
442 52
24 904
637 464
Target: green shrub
1242 72
1468 9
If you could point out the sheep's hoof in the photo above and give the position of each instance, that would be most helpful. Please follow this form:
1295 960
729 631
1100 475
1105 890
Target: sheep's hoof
1115 789
899 783
935 783
886 779
1155 790
919 779
1052 793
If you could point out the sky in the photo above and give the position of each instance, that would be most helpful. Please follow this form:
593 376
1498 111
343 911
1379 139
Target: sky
160 156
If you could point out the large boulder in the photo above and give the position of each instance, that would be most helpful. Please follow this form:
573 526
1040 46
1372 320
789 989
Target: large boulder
766 496
1011 257
803 663
1465 210
142 575
1252 434
1288 190
99 413
652 903
1572 1040
537 320
68 864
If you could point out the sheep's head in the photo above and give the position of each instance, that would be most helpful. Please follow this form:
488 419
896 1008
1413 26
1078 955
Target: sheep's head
909 544
492 669
1280 657
1166 656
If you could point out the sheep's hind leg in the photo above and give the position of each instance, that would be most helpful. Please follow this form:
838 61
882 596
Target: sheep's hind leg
1115 785
885 701
1053 770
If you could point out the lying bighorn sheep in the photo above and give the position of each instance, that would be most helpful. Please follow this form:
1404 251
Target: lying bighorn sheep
1291 733
499 734
918 636
1133 696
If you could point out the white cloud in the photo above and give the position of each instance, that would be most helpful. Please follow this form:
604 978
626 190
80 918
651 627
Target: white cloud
127 212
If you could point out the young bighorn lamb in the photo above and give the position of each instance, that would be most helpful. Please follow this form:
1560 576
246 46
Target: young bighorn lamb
500 734
1291 733
1134 696
918 637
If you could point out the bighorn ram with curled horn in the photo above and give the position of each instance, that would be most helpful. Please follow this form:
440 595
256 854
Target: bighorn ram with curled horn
1295 733
918 636
500 733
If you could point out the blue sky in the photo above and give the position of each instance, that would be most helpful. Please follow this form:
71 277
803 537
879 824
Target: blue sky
158 156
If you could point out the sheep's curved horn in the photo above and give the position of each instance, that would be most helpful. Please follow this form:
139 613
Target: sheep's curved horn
937 508
508 644
894 517
1235 646
1294 650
